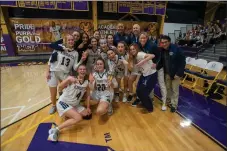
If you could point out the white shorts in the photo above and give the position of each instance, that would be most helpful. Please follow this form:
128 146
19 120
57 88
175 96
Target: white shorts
63 107
120 74
105 96
135 71
55 76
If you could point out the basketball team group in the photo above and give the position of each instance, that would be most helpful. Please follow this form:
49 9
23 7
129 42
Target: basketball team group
93 69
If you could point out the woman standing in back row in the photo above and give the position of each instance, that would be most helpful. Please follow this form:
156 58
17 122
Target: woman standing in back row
148 79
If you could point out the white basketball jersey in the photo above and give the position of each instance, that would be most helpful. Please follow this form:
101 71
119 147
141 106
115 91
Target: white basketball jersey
65 61
93 56
104 55
73 93
116 66
101 81
146 67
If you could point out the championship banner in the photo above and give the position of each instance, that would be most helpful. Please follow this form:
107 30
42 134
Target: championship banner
160 8
47 5
109 7
33 36
109 27
8 3
64 5
28 4
53 5
137 7
81 6
149 7
124 7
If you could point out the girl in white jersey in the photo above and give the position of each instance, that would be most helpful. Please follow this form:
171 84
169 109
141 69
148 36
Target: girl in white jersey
122 71
68 104
60 69
103 49
93 54
109 38
117 68
148 79
102 84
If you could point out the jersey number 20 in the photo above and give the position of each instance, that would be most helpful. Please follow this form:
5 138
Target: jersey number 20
101 87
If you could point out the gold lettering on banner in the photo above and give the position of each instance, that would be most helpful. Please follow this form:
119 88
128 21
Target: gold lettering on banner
41 3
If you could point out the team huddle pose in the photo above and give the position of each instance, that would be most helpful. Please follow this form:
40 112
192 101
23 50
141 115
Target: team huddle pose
92 70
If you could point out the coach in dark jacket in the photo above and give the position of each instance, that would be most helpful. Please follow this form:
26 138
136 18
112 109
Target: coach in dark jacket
149 46
121 35
173 60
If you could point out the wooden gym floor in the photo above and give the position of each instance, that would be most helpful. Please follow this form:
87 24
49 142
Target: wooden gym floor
24 90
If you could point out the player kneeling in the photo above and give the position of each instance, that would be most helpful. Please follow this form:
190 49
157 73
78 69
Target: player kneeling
68 104
102 84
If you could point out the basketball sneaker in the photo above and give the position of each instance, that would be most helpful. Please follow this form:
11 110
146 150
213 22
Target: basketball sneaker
116 98
129 99
164 108
136 102
52 110
125 98
53 134
110 109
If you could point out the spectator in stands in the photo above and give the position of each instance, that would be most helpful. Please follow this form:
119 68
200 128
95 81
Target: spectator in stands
134 37
121 35
173 60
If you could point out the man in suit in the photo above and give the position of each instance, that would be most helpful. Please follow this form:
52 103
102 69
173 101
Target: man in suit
173 60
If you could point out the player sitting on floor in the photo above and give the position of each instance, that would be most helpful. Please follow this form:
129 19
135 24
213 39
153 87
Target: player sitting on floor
68 104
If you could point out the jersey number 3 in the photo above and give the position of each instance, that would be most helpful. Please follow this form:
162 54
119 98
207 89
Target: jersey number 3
67 61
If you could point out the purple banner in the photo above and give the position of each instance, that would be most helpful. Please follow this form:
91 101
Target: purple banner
137 7
7 45
149 8
160 10
81 6
124 7
8 3
28 4
64 5
47 4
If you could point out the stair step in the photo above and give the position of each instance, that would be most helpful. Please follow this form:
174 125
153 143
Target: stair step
217 53
209 57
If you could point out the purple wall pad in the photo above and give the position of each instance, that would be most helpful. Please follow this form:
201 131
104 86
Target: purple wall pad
206 113
40 143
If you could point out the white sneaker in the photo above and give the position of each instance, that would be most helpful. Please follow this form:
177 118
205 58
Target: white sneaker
53 130
52 110
164 108
125 98
53 134
110 109
116 99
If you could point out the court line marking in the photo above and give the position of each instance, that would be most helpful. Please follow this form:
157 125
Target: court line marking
17 114
8 108
23 110
37 103
12 120
25 131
